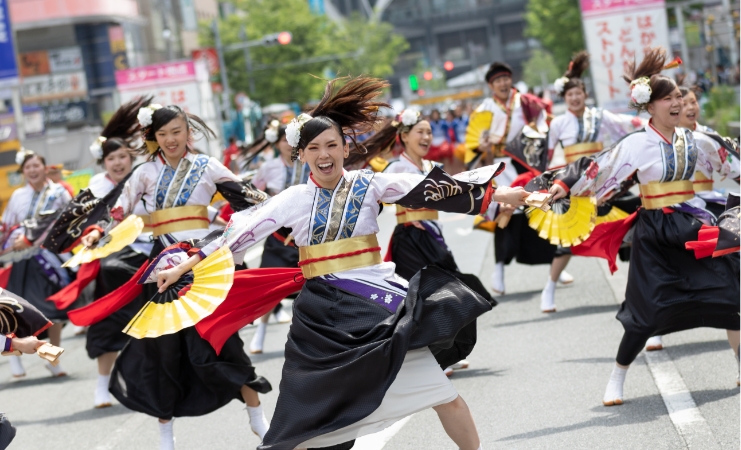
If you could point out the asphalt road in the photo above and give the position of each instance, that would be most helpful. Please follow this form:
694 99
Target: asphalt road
535 382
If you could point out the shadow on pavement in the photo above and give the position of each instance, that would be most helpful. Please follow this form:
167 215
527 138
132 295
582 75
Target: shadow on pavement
696 348
471 373
84 415
562 314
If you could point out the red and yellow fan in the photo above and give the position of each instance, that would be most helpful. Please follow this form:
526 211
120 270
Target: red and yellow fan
569 222
193 297
478 123
120 236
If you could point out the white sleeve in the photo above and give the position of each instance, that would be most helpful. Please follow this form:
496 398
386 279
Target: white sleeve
132 191
394 186
220 173
248 227
712 157
260 179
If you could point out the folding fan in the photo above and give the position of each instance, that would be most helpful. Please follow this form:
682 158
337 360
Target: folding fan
184 304
119 237
613 214
478 123
569 222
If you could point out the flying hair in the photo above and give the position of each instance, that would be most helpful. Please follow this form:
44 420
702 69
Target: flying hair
123 126
654 61
351 110
373 146
578 65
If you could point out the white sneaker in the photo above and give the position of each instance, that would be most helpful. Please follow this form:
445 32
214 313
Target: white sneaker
56 371
497 279
258 423
565 278
16 366
548 297
258 339
462 364
653 344
282 316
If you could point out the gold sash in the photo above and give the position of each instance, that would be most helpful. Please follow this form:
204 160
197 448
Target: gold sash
702 183
657 195
182 218
405 215
339 256
576 151
147 223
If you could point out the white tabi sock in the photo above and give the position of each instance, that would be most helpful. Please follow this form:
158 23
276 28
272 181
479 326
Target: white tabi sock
259 338
102 397
481 447
614 391
16 366
167 437
548 297
258 423
497 278
654 343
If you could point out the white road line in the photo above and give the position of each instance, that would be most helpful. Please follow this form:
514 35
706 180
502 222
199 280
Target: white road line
377 441
683 411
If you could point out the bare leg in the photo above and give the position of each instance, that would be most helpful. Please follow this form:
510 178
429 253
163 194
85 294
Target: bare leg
105 362
558 265
250 396
733 339
458 424
55 334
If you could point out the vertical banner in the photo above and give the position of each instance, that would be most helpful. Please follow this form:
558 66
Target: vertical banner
117 42
617 31
8 64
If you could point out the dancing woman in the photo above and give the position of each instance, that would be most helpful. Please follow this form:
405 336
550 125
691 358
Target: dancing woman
417 240
177 374
273 177
360 349
37 273
668 289
580 131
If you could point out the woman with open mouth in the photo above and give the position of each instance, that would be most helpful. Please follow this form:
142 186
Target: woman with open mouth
36 273
668 289
175 373
365 348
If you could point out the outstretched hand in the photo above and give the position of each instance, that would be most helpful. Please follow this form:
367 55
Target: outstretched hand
514 196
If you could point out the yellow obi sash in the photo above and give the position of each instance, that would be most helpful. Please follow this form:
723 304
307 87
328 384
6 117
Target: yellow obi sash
147 223
405 215
702 183
576 151
182 218
338 256
657 195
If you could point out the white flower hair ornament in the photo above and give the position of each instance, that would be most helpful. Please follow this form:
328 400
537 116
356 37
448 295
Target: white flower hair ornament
21 155
410 117
640 91
293 129
96 148
145 114
559 84
271 133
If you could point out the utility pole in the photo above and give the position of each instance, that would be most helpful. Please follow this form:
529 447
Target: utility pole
679 15
225 93
709 47
247 61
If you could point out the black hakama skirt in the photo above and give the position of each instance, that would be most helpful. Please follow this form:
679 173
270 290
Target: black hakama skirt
518 241
28 280
180 374
668 289
344 350
277 254
115 270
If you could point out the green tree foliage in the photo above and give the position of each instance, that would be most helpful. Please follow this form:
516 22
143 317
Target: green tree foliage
557 25
540 64
375 44
721 108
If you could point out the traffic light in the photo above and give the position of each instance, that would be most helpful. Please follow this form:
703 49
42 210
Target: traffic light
448 65
427 75
413 83
282 38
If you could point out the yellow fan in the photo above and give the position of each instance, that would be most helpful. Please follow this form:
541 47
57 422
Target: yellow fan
480 222
183 305
119 237
378 164
478 123
612 215
569 222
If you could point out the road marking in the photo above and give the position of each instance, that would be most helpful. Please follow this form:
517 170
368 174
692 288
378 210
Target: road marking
683 411
377 441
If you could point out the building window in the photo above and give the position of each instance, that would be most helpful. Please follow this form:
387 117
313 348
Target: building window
451 46
513 40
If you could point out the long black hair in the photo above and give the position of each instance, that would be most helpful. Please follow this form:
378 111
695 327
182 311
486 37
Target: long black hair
123 127
653 63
